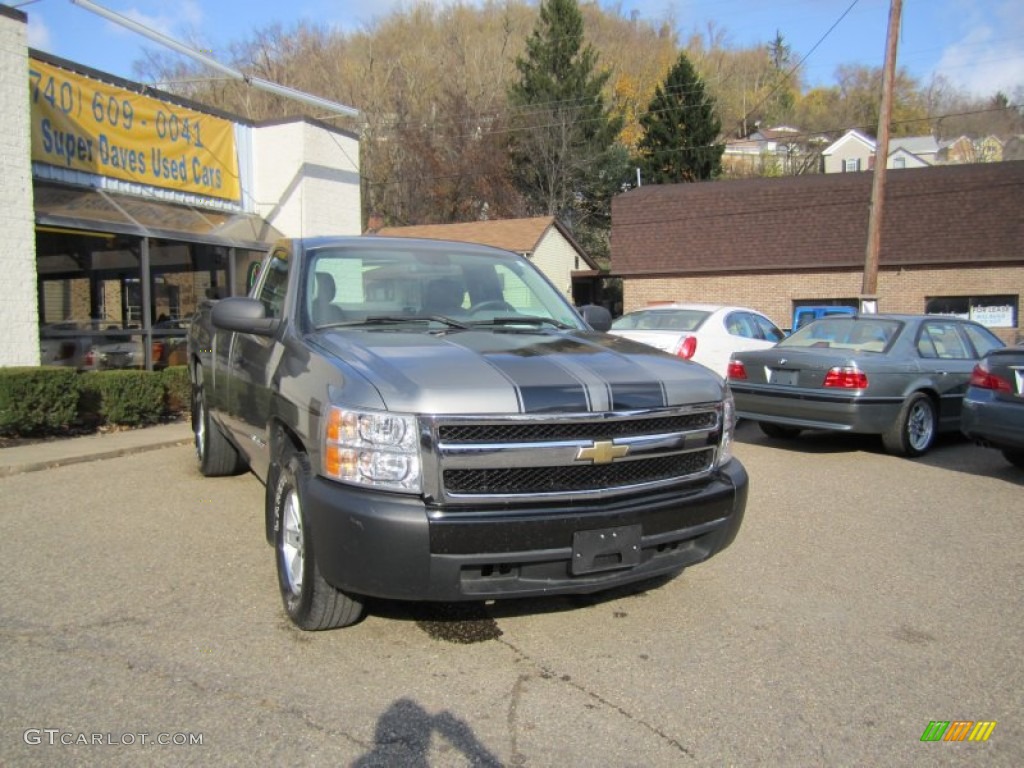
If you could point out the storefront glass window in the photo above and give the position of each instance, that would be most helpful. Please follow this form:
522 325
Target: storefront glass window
92 301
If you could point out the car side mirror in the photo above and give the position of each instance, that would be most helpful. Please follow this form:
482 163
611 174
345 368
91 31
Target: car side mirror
597 317
244 315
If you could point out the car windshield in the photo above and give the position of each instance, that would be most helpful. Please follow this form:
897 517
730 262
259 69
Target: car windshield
857 334
381 285
661 320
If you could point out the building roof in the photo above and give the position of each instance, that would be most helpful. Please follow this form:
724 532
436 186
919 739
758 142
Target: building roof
904 152
940 216
850 135
519 235
915 145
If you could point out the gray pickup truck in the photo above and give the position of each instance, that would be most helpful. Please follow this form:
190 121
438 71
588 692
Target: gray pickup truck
433 421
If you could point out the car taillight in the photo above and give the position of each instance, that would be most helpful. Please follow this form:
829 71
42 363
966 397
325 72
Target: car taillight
687 347
846 378
983 378
736 370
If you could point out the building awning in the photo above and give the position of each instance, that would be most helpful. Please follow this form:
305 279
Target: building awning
97 210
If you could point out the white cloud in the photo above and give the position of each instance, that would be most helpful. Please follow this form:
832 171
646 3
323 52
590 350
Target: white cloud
989 56
38 33
187 15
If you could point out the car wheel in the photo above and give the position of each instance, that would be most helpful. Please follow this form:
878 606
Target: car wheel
217 456
778 431
1015 457
310 602
913 432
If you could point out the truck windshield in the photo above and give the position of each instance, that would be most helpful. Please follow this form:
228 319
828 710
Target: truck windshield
353 284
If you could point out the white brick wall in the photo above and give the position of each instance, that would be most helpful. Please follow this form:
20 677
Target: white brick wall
19 312
306 179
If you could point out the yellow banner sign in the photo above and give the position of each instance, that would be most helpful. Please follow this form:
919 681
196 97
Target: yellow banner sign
87 125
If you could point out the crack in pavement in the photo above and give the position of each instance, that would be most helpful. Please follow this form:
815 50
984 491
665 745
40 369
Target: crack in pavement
547 673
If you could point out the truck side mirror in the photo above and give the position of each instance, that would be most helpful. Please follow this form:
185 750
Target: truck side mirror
244 315
598 318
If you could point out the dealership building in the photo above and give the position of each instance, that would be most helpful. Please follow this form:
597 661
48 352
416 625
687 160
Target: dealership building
123 206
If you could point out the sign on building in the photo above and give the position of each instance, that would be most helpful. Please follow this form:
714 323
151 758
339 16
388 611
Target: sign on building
87 125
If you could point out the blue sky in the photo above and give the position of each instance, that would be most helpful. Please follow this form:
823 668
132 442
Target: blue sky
977 44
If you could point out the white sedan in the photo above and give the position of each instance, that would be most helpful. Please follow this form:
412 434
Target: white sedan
705 333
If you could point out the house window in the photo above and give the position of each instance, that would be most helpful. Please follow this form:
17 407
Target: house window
990 311
852 164
899 162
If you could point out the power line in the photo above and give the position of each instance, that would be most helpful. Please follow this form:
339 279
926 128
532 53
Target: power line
797 66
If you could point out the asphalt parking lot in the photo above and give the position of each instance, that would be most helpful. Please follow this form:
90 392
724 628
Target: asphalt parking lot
865 597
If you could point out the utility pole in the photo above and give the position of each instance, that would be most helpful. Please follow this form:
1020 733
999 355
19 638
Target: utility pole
869 287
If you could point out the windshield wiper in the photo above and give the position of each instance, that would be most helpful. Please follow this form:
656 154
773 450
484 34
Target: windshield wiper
394 320
523 320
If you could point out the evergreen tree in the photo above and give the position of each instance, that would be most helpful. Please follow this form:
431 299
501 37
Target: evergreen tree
681 129
561 148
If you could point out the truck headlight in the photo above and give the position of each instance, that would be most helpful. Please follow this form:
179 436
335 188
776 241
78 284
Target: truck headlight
372 448
728 428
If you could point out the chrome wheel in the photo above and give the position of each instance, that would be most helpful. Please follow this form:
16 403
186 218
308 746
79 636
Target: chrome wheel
920 425
291 542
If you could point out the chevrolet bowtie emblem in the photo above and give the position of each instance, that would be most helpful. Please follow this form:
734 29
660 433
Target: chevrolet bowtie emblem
602 452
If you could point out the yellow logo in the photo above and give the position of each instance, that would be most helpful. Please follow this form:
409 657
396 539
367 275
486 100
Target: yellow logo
602 452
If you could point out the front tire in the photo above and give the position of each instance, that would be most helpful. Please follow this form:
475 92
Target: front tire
913 433
310 602
777 431
216 455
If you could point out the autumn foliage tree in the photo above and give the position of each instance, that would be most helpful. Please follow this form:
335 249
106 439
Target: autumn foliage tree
445 136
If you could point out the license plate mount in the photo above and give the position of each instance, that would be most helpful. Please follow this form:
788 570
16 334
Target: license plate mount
605 549
782 377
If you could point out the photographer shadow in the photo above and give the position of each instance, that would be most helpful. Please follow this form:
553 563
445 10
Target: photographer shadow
404 733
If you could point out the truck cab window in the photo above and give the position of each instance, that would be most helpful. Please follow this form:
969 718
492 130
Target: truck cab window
274 286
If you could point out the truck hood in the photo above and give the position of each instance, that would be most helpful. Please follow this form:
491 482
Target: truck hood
506 371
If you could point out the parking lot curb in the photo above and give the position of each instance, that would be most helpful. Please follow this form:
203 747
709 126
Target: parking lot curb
19 460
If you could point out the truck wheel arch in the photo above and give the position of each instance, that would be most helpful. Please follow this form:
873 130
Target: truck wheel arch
283 442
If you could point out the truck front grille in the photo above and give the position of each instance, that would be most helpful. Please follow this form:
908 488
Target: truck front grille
592 430
559 456
592 477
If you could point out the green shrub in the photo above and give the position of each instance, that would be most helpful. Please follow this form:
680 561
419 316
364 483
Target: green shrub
129 398
177 389
37 400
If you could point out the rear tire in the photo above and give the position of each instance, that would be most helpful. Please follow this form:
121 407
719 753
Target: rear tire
1014 457
779 432
310 602
216 455
913 433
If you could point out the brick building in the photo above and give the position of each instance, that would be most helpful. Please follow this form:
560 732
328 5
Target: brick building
952 242
19 341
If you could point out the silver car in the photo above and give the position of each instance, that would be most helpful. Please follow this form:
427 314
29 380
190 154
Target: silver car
899 376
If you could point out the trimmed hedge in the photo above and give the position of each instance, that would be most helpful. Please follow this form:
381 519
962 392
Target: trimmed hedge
52 400
177 389
131 398
34 400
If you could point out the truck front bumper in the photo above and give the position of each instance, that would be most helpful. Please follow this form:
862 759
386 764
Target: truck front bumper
397 547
